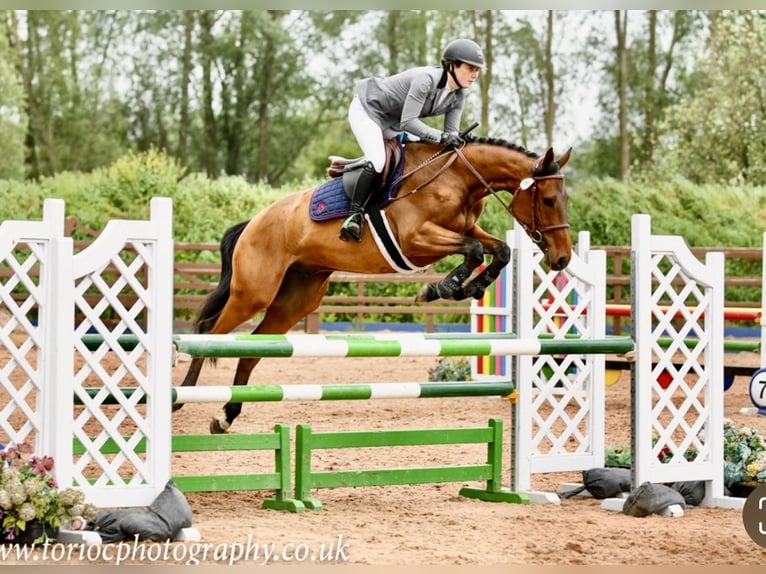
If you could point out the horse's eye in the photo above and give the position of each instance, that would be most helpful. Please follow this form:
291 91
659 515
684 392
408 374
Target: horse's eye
548 202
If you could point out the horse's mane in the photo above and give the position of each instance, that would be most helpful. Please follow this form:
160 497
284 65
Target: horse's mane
500 142
551 169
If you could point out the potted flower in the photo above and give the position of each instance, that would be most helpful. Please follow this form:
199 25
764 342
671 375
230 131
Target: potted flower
32 507
744 453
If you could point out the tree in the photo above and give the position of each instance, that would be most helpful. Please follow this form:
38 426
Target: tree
654 68
75 118
530 81
484 29
715 133
622 58
13 116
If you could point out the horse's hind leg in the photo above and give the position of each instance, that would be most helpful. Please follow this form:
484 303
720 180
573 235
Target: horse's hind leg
299 295
192 374
196 364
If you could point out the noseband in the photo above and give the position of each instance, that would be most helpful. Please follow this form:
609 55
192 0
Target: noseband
534 232
529 184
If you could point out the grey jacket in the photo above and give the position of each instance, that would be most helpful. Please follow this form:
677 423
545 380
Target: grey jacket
399 101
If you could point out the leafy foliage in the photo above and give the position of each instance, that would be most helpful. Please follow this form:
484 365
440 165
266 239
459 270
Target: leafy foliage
705 215
13 116
744 453
447 370
715 133
618 455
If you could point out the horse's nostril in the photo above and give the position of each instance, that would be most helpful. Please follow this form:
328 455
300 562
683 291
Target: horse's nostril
559 264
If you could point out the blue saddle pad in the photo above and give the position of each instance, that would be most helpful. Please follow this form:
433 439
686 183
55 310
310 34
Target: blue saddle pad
329 201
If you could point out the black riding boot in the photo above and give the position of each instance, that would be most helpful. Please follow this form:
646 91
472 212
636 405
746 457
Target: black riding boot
353 227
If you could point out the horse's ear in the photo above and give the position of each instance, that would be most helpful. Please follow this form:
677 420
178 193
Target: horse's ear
564 158
548 159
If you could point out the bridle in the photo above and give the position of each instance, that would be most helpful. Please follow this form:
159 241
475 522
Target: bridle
529 184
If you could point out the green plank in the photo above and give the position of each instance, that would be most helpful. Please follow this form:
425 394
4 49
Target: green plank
228 482
416 437
495 495
197 443
466 389
224 442
399 476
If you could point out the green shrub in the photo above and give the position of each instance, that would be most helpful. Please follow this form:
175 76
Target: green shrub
448 370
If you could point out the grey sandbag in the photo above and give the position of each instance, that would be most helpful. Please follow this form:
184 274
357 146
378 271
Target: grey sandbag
602 483
162 520
171 506
117 525
693 491
650 498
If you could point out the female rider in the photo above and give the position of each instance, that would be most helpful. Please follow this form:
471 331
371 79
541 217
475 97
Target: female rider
383 107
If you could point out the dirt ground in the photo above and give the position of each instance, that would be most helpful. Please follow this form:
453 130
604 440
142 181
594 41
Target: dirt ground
430 525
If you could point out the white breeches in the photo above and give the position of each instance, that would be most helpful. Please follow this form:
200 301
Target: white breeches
368 134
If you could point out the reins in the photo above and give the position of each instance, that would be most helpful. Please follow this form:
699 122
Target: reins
534 232
417 168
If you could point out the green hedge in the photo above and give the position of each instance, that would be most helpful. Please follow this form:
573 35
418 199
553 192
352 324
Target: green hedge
710 216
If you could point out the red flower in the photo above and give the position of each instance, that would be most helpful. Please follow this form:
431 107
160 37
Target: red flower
41 465
664 453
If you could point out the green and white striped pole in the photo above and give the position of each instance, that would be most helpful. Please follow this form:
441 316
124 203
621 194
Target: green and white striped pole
330 392
388 345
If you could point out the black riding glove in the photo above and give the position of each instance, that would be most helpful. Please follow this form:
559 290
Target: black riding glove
451 139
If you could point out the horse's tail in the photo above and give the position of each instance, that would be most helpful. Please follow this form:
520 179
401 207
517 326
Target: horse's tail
217 298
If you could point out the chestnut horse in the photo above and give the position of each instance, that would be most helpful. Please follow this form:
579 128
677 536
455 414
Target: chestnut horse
280 262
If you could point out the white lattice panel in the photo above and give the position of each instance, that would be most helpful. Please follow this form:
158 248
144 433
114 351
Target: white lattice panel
560 413
29 262
123 287
678 385
20 337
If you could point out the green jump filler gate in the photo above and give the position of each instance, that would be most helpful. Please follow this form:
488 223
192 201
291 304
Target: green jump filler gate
307 479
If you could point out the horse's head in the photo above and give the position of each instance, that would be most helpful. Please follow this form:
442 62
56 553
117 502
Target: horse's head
540 206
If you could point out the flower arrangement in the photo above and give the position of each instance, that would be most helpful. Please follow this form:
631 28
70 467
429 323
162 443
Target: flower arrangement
29 492
744 453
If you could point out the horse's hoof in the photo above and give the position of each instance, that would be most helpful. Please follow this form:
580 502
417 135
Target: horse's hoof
218 427
474 291
427 293
176 406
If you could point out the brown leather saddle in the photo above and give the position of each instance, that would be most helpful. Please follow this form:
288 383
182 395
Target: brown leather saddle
349 169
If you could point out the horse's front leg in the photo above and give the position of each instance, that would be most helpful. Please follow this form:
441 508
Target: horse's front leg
451 287
501 255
